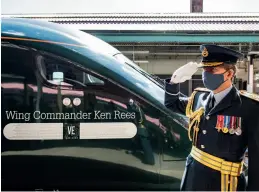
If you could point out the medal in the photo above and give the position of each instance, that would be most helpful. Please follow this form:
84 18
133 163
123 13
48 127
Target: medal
231 131
238 131
225 128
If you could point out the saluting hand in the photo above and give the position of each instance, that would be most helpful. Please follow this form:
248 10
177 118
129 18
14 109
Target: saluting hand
184 73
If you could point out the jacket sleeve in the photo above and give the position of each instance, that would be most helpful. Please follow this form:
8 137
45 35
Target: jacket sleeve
173 100
253 151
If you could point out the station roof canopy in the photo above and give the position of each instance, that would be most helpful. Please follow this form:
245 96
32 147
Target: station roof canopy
161 27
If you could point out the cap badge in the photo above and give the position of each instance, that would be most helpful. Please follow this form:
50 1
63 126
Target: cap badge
205 53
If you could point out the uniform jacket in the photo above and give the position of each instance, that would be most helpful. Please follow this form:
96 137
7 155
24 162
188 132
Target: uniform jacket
231 147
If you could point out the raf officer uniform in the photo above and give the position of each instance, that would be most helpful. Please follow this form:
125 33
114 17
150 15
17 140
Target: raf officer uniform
221 127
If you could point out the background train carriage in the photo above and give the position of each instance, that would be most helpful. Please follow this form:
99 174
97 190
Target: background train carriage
103 79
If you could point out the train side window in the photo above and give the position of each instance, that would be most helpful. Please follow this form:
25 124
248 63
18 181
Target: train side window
17 80
67 87
17 62
57 71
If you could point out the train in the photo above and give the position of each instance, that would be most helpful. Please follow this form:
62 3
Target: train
79 115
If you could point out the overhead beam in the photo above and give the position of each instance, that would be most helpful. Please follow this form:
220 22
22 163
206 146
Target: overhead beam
255 53
135 52
212 38
122 44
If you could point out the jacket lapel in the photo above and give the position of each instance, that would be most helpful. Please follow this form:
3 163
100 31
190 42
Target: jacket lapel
231 98
204 101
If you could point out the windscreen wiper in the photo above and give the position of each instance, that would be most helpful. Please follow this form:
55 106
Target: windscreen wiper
151 77
154 78
158 79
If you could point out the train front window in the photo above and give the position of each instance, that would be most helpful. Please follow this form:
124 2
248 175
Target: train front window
123 59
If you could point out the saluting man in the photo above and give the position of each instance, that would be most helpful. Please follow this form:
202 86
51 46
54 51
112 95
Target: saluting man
223 123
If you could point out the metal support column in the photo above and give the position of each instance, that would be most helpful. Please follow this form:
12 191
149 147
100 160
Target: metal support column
250 83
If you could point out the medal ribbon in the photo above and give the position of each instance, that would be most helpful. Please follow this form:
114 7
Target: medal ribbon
237 122
232 122
220 122
226 122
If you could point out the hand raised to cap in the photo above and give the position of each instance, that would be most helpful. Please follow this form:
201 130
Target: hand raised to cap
184 73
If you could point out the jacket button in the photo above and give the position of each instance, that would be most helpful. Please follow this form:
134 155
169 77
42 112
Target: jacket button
202 146
207 117
204 132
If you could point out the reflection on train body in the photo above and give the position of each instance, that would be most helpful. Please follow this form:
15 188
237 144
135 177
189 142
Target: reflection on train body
136 159
153 159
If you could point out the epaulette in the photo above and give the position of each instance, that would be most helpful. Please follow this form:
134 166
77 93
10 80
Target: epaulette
249 95
201 89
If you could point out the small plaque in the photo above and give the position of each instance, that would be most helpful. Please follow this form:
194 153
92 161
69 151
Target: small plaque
71 131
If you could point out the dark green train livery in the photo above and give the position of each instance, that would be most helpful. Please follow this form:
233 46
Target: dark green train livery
78 115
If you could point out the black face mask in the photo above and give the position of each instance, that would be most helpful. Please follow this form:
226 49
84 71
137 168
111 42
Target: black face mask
212 81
